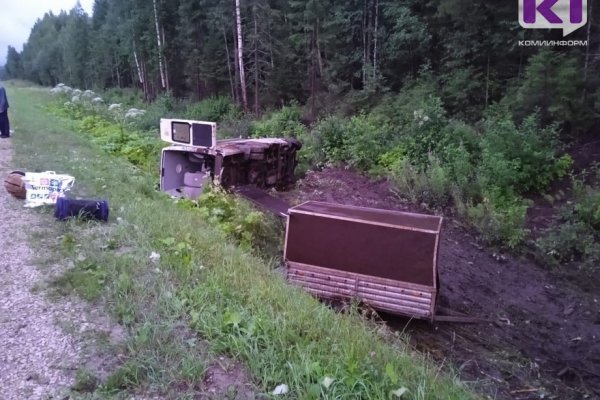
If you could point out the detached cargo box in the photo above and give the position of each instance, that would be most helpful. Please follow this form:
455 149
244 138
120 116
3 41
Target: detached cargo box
387 259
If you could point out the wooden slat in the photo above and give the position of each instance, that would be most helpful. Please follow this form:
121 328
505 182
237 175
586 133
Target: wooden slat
382 294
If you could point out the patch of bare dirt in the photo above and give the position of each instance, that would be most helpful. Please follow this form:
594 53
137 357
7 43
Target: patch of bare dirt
225 379
542 338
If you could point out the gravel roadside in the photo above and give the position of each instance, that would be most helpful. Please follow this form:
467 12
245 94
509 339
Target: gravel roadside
43 342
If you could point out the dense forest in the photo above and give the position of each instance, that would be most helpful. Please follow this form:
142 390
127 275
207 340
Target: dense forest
451 100
268 52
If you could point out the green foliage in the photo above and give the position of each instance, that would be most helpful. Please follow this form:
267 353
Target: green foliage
359 142
577 237
568 242
587 205
85 278
85 381
425 132
329 56
128 96
140 148
462 92
461 165
239 220
431 186
283 123
366 138
409 36
517 160
213 109
499 218
330 133
415 94
553 84
165 106
388 160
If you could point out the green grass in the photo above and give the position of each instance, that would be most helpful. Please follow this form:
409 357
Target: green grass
203 288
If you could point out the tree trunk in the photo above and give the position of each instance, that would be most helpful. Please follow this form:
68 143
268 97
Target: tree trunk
319 59
238 96
231 84
119 81
487 82
137 64
240 49
160 49
145 86
255 63
167 84
313 72
375 39
364 42
368 42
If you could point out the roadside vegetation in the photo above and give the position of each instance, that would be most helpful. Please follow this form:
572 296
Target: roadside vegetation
187 293
434 96
484 172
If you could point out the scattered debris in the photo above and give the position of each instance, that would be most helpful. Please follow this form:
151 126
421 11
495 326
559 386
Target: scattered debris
15 185
46 187
281 389
399 392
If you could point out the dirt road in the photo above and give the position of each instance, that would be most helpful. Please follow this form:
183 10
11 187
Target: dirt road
43 343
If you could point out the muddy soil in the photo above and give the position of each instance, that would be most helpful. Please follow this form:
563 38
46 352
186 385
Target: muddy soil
541 337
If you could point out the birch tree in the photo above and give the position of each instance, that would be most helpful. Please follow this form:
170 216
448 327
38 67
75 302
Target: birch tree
240 51
161 66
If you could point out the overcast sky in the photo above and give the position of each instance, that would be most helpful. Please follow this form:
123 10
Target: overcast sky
18 16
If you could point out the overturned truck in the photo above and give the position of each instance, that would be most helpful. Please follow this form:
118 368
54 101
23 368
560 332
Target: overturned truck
386 259
197 157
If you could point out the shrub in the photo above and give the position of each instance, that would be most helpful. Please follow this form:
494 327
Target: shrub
499 218
415 95
367 137
213 109
462 170
425 132
235 126
576 237
518 160
388 160
463 93
283 123
164 106
329 133
570 241
430 186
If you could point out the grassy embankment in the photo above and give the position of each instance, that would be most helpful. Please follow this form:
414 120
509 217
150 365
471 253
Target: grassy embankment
202 287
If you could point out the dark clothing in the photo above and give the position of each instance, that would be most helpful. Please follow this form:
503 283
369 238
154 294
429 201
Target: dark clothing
3 100
4 124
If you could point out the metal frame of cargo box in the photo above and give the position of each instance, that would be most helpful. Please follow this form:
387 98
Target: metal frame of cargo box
394 296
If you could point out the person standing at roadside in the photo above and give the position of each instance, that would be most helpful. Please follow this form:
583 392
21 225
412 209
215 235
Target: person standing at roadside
4 125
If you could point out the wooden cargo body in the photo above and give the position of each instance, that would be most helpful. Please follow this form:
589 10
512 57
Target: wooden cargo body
387 259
